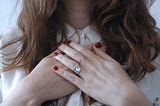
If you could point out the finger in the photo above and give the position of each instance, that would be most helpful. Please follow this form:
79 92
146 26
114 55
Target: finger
102 54
97 44
90 46
68 62
54 53
69 76
84 51
73 54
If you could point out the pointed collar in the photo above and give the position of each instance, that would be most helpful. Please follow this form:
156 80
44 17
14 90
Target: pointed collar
89 31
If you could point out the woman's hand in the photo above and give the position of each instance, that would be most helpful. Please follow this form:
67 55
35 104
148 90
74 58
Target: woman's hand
101 77
45 83
40 85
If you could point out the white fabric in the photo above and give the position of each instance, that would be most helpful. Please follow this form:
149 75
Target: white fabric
155 11
149 84
8 80
75 99
9 12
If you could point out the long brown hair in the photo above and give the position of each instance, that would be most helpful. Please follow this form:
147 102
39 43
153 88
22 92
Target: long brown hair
125 25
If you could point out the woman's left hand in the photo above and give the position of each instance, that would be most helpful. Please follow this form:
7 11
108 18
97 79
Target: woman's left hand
101 77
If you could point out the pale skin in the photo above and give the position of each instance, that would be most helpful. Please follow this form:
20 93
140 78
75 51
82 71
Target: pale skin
101 77
46 84
41 84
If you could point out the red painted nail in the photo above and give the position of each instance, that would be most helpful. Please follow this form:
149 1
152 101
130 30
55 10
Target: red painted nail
67 42
55 54
59 44
56 68
98 45
107 48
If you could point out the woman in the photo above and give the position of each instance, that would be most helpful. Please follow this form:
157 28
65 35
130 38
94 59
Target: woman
88 28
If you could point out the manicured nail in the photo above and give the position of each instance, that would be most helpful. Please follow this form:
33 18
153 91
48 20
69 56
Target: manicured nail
67 42
56 68
55 54
59 44
107 48
98 45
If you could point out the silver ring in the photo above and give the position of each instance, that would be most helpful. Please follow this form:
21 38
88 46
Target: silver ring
77 69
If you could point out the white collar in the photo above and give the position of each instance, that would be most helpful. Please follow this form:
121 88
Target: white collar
89 31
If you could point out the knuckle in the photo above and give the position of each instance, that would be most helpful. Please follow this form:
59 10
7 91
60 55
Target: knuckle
65 68
79 57
76 54
72 65
71 78
82 49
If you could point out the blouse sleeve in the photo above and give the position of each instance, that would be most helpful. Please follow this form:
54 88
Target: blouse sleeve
9 79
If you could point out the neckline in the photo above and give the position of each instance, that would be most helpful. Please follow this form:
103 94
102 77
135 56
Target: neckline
70 26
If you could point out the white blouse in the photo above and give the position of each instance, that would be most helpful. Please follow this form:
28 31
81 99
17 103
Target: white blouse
9 80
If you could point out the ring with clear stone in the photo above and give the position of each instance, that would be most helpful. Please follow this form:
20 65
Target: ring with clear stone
77 69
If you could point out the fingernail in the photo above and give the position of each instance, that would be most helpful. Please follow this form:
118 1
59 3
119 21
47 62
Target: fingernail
107 48
55 54
98 45
67 42
56 68
59 44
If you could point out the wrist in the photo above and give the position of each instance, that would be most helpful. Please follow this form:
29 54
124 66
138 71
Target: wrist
18 98
23 95
133 96
31 98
